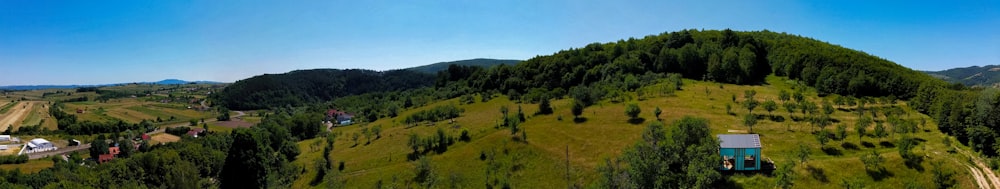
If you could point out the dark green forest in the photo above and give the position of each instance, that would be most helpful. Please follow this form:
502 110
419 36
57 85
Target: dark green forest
303 86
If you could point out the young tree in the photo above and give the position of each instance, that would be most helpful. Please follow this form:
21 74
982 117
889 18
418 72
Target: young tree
577 108
657 112
783 96
873 160
425 172
790 107
414 143
749 102
770 106
545 107
841 131
822 136
632 110
802 153
750 120
785 175
827 108
880 131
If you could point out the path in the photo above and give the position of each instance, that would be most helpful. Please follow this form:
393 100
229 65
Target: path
16 114
984 176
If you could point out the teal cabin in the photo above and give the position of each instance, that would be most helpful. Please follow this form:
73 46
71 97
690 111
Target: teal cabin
740 152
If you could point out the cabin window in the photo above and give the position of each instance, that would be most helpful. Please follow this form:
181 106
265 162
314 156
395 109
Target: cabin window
749 161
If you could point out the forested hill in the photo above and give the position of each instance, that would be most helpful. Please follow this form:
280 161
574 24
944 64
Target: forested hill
302 86
971 76
724 56
479 62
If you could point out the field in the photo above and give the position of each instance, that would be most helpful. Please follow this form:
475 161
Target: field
26 113
32 166
555 140
164 138
134 110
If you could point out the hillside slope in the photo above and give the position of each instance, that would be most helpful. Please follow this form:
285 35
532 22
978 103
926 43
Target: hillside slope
479 62
971 76
538 158
302 86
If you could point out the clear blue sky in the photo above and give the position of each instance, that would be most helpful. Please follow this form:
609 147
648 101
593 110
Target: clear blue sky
86 42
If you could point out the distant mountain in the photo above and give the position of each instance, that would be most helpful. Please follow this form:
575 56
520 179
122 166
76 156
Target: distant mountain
971 76
481 62
39 87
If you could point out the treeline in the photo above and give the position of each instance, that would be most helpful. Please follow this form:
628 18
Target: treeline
308 86
13 159
723 56
435 114
971 115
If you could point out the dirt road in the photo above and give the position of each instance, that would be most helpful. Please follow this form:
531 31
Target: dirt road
983 174
15 115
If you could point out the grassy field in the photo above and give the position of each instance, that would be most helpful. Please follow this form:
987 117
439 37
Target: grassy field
32 166
133 110
541 161
164 138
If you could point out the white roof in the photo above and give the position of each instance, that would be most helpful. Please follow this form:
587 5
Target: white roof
740 141
39 141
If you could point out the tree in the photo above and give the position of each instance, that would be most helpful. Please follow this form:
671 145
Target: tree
770 106
687 146
783 96
414 143
841 131
880 130
749 102
545 107
750 120
577 108
827 108
249 161
822 136
520 114
942 178
127 148
425 174
802 153
862 126
632 110
790 107
98 147
193 122
785 175
873 160
657 112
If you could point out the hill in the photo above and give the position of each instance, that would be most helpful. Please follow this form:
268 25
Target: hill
970 76
162 82
298 87
479 62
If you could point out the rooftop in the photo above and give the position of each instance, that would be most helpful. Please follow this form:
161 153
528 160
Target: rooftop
739 141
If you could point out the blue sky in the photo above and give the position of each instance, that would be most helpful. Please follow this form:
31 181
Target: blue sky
88 42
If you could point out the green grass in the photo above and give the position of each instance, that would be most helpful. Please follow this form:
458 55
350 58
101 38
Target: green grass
7 107
36 114
32 166
606 132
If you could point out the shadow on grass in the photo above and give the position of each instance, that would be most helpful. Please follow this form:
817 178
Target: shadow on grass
725 182
849 146
579 120
776 118
817 173
913 162
636 121
867 144
879 175
833 151
886 144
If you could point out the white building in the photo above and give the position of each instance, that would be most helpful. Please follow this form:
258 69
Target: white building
38 145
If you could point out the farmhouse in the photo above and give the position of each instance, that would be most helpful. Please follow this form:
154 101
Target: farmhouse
740 152
339 117
194 132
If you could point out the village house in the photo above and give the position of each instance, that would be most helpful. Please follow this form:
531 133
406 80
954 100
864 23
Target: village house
339 117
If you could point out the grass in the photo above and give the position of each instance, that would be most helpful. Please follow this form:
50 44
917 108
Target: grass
541 161
164 138
7 107
38 112
133 110
32 166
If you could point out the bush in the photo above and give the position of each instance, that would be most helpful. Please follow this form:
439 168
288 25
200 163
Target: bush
14 159
465 136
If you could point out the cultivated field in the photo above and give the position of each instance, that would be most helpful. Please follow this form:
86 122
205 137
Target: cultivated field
25 113
553 140
134 110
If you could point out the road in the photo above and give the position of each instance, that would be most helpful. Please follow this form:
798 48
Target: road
39 155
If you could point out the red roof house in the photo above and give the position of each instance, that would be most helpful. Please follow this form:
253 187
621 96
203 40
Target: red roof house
104 158
194 132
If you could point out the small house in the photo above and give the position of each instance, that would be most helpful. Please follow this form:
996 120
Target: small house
195 131
39 143
740 152
4 138
104 158
339 117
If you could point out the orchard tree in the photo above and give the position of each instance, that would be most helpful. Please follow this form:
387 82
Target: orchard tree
657 112
632 110
783 96
750 120
545 107
770 106
749 102
577 109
